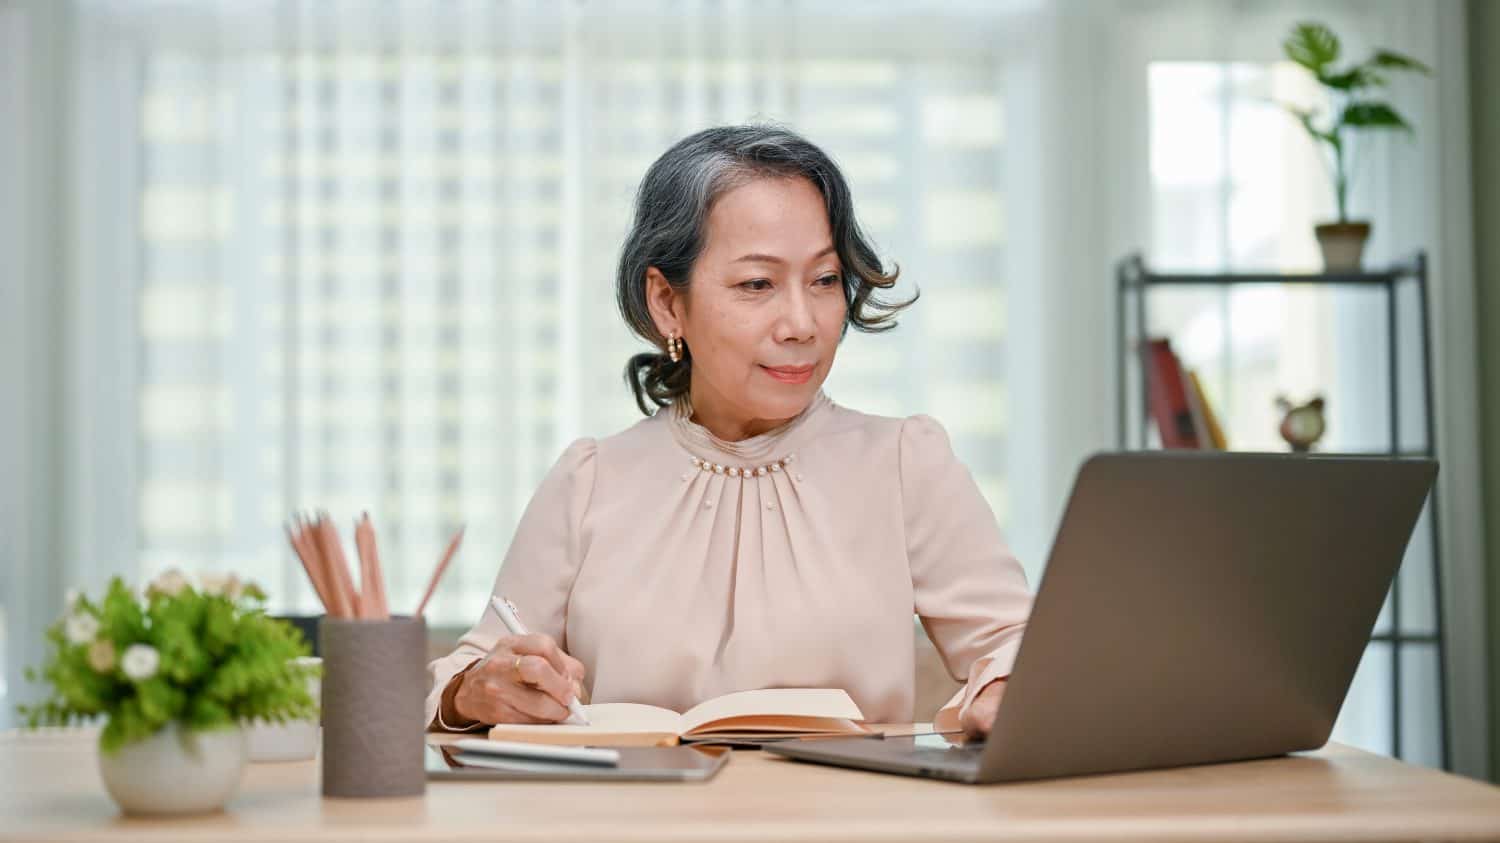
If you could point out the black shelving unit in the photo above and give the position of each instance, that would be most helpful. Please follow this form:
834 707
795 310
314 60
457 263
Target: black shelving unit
1134 283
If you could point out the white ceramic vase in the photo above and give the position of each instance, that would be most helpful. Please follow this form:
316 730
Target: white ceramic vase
173 772
294 740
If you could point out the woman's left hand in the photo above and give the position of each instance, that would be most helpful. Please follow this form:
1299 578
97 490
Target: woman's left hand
976 720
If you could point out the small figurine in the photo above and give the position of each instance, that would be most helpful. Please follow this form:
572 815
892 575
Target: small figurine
1301 426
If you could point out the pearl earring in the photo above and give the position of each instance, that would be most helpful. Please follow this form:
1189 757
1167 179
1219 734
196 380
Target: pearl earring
674 348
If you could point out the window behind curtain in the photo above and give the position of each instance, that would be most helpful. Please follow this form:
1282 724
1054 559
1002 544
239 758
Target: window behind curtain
1237 186
13 81
383 280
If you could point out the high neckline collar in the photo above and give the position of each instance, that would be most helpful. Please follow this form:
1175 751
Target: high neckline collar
764 447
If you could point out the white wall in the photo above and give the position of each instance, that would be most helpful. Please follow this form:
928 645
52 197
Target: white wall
32 292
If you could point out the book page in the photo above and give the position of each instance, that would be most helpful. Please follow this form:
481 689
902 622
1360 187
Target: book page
631 717
610 724
774 705
777 724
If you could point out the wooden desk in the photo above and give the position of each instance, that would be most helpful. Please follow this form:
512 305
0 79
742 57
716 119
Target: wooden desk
50 790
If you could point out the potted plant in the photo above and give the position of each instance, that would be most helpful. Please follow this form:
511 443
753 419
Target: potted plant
1354 107
176 673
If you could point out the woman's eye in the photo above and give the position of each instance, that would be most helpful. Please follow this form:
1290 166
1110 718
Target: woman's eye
828 280
756 284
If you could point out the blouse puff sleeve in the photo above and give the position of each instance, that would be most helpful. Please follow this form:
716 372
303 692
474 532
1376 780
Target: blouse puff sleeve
968 588
537 574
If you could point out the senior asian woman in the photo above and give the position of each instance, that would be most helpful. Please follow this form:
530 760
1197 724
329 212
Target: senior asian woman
750 533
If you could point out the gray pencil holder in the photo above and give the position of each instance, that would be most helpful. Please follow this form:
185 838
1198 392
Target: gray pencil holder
374 691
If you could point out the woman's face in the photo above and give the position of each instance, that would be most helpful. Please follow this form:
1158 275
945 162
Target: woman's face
764 307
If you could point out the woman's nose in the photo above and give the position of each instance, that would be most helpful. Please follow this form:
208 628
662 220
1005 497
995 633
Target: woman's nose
796 323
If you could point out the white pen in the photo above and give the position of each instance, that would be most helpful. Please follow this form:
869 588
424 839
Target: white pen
512 620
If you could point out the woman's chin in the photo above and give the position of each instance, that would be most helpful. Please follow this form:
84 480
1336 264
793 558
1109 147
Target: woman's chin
785 400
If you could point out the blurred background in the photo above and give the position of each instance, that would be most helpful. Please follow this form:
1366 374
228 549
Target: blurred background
272 255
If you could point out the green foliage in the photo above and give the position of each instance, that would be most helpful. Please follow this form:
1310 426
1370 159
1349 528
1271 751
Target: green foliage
1312 45
1316 48
206 657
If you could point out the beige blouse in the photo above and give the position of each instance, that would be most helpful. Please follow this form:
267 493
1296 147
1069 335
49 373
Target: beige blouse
678 567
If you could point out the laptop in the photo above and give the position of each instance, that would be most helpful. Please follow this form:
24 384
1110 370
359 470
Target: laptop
1196 608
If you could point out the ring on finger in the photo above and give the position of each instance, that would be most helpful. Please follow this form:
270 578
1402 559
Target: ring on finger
516 666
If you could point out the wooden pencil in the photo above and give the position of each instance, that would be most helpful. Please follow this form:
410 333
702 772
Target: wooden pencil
367 601
384 602
312 536
338 567
310 565
372 604
346 571
437 573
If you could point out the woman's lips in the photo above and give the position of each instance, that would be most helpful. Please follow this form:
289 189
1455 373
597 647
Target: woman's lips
790 374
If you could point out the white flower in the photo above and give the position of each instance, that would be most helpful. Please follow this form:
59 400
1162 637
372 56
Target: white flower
102 655
169 583
81 627
227 585
140 662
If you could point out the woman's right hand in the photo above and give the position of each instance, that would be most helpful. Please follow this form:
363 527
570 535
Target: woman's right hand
524 679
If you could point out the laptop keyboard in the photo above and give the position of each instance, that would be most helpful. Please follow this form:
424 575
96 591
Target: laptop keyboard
953 753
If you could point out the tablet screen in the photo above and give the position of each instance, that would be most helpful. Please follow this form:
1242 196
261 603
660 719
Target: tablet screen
672 763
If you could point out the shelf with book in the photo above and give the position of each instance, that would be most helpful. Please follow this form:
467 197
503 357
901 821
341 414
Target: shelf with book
1185 417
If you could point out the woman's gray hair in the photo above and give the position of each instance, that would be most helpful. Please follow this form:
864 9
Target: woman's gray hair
671 218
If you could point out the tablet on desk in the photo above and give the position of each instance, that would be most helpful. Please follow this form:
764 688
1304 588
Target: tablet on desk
641 764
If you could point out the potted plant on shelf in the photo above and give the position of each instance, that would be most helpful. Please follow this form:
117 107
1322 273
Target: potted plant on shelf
1353 108
176 673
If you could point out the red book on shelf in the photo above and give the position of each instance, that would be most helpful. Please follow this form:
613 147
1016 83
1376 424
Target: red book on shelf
1168 397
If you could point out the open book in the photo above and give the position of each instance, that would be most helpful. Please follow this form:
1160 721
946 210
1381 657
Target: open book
749 716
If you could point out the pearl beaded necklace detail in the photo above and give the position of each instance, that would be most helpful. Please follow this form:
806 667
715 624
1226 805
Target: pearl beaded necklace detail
747 471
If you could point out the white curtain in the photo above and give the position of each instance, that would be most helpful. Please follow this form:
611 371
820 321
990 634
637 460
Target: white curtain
374 268
359 255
